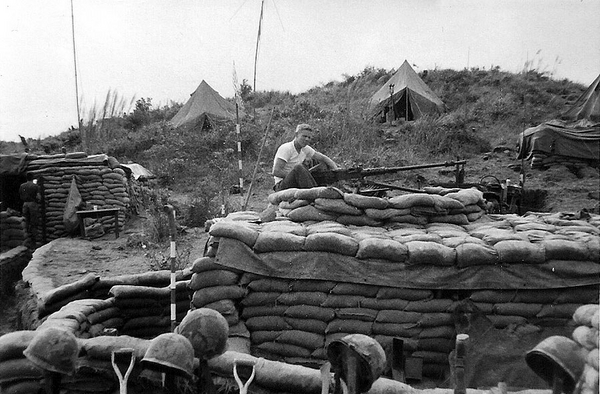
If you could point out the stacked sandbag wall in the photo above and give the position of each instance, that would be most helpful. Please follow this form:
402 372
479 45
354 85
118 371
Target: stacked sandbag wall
12 263
587 335
216 287
436 205
13 231
98 185
137 305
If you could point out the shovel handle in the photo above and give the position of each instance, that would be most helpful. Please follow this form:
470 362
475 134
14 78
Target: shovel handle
123 379
248 363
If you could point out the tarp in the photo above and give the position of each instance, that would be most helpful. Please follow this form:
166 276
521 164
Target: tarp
336 267
13 164
580 140
587 105
205 104
138 171
409 91
19 163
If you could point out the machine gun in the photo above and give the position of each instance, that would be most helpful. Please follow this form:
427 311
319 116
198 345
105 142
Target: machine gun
328 177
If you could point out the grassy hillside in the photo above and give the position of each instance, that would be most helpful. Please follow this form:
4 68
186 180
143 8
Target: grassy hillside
485 109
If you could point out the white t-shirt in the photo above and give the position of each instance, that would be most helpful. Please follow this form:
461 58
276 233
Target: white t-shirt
288 153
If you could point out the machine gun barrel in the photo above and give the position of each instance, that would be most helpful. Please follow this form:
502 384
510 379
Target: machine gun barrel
331 176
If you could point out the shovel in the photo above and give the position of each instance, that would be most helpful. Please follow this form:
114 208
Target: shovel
123 355
246 363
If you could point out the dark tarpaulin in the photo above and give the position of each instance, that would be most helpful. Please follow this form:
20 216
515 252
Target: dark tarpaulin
13 164
336 267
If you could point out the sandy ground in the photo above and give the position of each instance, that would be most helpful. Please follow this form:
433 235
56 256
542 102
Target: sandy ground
106 256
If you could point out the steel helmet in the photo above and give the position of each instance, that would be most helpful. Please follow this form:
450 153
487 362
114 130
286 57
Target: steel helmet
207 330
170 352
557 351
369 352
53 349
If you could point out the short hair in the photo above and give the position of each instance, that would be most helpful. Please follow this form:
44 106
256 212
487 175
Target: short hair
303 126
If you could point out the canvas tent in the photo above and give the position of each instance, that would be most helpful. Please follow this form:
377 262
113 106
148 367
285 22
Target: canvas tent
587 105
574 137
411 97
204 108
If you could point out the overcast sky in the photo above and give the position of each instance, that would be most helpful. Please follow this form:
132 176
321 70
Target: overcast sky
163 49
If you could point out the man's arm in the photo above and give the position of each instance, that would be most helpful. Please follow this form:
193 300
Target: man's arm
278 168
318 156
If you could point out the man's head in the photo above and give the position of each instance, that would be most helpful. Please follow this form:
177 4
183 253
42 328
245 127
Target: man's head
304 135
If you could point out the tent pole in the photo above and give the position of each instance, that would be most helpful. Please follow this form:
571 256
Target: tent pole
258 160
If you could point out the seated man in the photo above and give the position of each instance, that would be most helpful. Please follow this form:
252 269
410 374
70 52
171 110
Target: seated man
289 170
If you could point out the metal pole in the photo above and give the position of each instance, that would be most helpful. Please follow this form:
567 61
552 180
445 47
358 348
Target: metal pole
170 211
79 124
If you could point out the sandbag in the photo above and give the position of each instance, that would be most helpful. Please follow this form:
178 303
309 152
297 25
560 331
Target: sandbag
470 254
404 294
302 298
244 232
283 349
385 214
408 330
314 193
213 278
458 218
224 307
501 321
305 339
411 200
310 312
586 337
337 206
272 241
354 289
19 369
467 196
442 345
381 304
324 286
284 226
517 309
418 220
363 202
454 242
362 314
293 204
203 264
583 315
101 348
282 195
349 326
12 344
258 337
328 227
387 249
215 293
270 285
431 306
343 301
431 253
308 213
566 250
558 310
435 319
357 220
396 316
60 293
267 323
263 310
520 252
256 298
310 325
446 331
331 242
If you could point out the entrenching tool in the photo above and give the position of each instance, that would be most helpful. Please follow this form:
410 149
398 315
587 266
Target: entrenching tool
245 363
122 356
325 377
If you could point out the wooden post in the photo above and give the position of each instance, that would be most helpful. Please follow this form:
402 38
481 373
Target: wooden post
459 367
173 255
